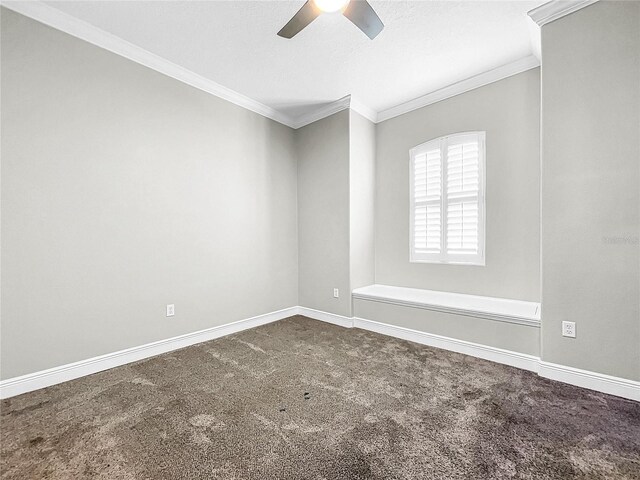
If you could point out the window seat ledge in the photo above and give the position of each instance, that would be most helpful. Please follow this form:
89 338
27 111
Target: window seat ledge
491 308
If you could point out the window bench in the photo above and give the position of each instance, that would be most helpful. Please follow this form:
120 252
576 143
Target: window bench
491 308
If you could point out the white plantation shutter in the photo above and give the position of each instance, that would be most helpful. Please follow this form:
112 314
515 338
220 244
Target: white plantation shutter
427 188
463 189
447 200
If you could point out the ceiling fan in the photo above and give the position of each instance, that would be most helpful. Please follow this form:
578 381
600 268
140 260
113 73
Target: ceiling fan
358 11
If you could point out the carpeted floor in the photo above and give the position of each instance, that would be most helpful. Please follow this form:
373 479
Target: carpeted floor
301 399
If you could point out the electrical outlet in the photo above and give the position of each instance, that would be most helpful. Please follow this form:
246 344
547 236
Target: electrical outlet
569 329
171 310
336 293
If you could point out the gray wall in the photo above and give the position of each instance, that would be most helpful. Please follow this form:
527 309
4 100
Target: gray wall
124 190
362 158
323 214
336 193
509 111
591 188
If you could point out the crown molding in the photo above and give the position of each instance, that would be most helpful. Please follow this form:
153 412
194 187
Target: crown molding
368 113
557 9
73 26
329 109
53 17
513 68
500 73
324 111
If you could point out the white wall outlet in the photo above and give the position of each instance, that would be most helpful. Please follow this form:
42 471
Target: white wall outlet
336 293
171 310
569 329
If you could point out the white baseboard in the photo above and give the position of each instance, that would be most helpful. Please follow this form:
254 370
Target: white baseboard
498 355
582 378
339 320
52 376
600 382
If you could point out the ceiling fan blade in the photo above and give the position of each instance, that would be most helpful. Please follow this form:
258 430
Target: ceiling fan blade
364 17
307 14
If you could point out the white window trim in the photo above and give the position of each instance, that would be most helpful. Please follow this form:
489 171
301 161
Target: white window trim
443 257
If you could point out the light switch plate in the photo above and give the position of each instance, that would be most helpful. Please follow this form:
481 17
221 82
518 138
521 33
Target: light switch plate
171 310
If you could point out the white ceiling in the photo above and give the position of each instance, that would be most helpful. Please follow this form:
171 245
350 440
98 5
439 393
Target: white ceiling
425 46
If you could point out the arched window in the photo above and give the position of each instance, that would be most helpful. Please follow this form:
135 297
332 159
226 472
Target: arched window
447 200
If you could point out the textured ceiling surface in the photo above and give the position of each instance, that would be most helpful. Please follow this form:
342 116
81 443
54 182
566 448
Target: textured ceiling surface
426 45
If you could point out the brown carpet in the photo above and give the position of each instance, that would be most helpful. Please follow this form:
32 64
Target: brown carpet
301 399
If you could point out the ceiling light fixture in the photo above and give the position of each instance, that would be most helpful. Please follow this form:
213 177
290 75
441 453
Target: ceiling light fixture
358 11
331 6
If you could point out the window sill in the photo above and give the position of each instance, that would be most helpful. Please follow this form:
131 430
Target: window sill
446 262
490 308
